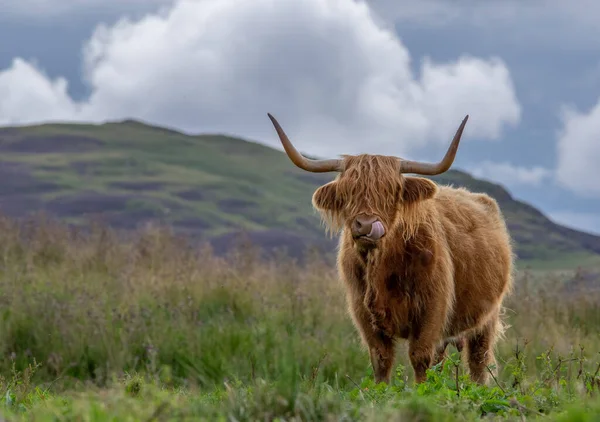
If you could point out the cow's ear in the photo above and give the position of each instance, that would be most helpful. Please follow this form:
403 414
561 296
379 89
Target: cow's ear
418 189
326 198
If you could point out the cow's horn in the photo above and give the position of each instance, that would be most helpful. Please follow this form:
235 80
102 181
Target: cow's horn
315 166
437 168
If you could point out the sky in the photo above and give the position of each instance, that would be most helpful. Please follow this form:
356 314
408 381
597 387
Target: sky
392 77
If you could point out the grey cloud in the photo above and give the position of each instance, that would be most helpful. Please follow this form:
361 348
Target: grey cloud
550 24
42 10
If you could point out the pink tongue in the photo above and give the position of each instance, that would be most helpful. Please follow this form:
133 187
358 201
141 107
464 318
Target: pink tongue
377 230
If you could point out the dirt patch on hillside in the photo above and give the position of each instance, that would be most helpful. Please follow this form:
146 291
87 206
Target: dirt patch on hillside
138 186
312 178
91 168
312 225
191 195
18 180
8 135
193 224
20 191
131 219
121 209
234 205
87 203
18 206
51 144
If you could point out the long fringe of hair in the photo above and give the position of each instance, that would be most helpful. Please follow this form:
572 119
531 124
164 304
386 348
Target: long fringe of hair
373 184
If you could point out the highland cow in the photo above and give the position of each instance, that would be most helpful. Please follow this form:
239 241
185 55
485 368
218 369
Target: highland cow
426 263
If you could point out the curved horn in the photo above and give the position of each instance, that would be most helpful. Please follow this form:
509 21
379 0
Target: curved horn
437 168
314 166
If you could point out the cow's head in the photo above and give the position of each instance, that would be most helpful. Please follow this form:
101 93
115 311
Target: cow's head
370 196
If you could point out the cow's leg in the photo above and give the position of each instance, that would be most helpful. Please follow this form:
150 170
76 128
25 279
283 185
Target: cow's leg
459 344
440 354
421 353
424 338
382 356
380 345
480 351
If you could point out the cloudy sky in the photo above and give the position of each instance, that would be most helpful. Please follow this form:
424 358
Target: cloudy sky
398 75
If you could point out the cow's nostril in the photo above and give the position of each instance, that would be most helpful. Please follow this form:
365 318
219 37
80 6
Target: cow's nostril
358 224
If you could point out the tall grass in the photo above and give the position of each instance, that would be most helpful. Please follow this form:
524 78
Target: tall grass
255 339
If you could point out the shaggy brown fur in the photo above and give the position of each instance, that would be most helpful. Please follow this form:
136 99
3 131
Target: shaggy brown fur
437 277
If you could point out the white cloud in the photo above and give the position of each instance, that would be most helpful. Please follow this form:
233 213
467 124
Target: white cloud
509 174
578 151
336 80
28 95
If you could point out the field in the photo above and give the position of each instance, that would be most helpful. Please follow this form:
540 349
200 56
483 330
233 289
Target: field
95 328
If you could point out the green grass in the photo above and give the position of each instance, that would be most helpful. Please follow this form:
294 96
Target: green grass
243 185
568 261
98 328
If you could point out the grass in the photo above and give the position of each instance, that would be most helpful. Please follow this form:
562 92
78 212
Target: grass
566 263
94 327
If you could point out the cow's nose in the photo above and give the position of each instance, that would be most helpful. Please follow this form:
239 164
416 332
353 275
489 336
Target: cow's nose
362 225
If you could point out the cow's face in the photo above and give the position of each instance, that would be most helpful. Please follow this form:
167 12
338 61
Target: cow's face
368 196
371 192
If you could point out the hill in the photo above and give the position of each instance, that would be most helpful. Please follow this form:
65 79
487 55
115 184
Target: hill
210 187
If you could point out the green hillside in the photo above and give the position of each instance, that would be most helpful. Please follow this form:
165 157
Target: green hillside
210 187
